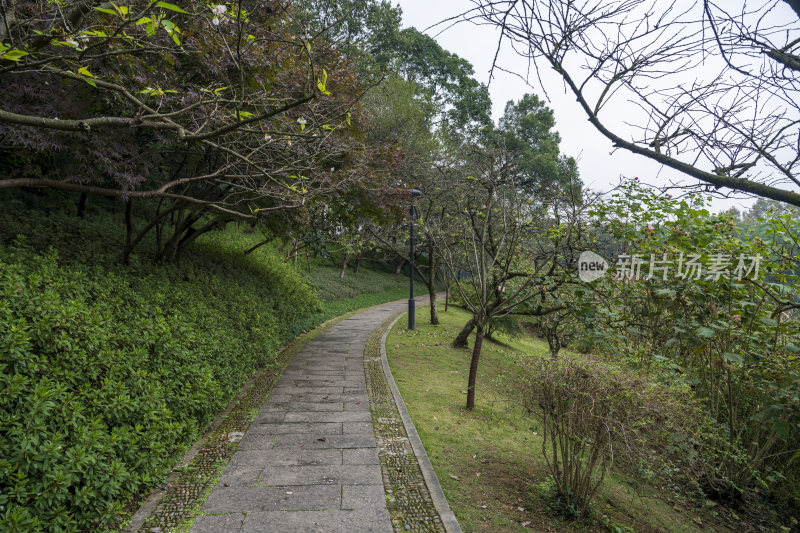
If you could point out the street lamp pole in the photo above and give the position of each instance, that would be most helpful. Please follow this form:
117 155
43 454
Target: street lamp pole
411 303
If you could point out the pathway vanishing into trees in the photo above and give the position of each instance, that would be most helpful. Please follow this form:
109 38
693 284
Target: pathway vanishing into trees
311 461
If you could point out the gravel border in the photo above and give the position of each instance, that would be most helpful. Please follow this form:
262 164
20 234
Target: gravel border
439 500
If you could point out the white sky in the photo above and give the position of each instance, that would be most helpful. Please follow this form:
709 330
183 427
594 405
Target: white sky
600 169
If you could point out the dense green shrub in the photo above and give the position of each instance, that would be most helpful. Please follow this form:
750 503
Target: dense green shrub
105 378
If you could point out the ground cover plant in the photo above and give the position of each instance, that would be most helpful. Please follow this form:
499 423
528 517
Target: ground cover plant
110 372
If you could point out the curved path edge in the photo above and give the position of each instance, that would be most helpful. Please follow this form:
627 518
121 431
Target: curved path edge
435 488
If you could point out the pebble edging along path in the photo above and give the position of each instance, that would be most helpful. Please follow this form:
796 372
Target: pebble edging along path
327 452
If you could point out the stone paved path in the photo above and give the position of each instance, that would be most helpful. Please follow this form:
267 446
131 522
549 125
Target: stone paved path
309 461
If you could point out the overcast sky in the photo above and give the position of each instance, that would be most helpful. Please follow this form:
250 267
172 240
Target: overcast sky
600 168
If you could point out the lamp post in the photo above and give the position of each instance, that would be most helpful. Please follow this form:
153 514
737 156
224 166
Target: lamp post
411 303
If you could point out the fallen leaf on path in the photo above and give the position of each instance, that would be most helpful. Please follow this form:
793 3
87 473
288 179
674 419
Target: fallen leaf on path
454 477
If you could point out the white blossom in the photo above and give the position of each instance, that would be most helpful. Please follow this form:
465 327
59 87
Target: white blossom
219 9
302 121
215 21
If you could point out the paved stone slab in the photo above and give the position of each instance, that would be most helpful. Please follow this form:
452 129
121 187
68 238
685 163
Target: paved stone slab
283 498
363 496
221 523
321 475
344 416
269 417
358 428
322 398
323 428
312 442
303 457
356 521
257 441
360 456
298 406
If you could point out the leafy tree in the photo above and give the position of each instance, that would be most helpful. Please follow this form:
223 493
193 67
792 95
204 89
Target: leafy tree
211 110
365 31
526 129
719 326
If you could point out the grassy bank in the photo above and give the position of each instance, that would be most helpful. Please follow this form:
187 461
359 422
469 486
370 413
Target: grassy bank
109 372
489 461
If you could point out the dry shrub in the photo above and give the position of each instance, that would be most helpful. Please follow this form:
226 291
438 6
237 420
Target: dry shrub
594 415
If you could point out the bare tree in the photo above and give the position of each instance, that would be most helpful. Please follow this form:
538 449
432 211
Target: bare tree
502 248
707 88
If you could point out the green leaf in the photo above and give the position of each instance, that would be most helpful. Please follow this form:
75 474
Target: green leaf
14 55
105 10
322 84
84 71
171 7
143 20
705 332
768 321
734 358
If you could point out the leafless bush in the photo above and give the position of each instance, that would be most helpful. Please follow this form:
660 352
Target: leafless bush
594 415
581 412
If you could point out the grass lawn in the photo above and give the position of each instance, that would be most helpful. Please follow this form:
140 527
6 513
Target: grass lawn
490 461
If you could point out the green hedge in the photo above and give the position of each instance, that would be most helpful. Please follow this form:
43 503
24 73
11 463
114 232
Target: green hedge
106 377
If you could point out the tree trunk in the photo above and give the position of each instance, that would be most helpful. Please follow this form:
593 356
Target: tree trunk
446 280
192 234
82 201
554 342
293 250
432 281
432 297
357 264
155 223
257 246
461 340
473 368
399 267
344 266
128 231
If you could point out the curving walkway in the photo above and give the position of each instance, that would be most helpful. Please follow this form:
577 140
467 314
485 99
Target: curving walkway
310 460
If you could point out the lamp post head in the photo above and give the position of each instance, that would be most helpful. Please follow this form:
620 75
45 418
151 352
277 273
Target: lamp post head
414 193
